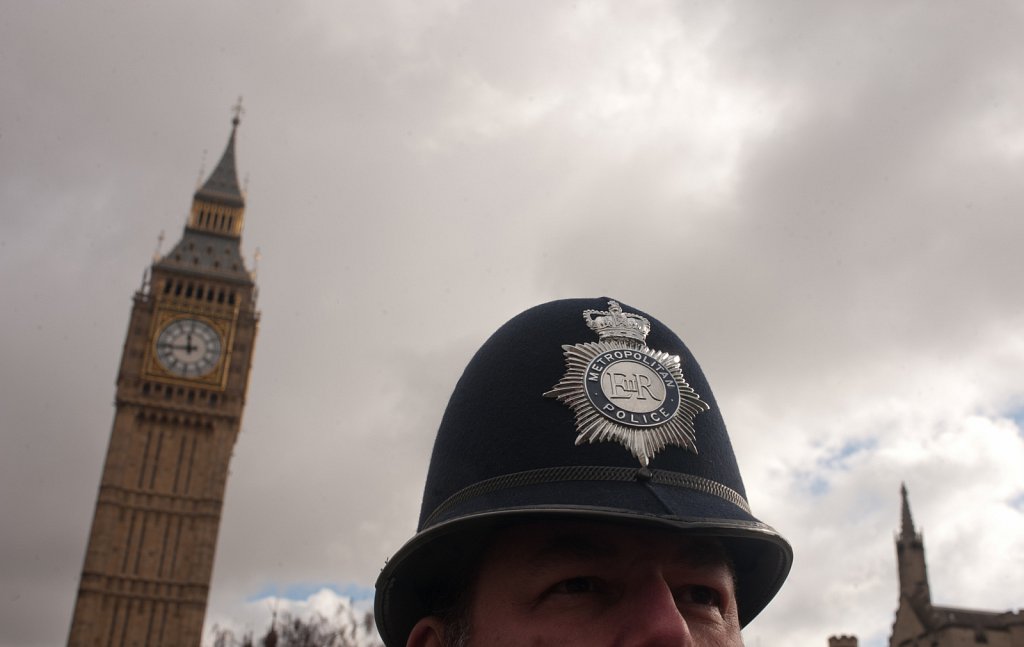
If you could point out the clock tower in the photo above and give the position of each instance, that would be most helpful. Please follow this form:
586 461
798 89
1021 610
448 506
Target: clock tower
178 409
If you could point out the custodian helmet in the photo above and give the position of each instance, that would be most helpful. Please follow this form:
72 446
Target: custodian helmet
578 409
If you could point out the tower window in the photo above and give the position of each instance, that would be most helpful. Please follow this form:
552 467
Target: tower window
167 287
220 297
231 299
177 288
188 290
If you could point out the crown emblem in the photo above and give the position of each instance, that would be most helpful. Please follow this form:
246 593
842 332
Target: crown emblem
622 391
616 324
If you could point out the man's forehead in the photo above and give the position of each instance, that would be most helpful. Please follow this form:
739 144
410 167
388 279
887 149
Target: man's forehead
540 542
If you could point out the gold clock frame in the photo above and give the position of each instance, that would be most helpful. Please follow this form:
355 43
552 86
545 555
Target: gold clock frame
218 377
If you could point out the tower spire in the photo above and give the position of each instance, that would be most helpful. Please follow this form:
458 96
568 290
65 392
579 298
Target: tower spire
213 231
218 206
910 556
222 186
907 531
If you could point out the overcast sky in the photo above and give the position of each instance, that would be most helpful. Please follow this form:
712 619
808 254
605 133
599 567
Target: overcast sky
824 200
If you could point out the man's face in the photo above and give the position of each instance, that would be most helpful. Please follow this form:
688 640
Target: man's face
597 584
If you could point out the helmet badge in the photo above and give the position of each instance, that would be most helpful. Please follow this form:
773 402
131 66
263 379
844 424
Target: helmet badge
620 390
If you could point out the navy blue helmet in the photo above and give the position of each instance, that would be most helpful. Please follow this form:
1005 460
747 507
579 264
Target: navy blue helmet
577 409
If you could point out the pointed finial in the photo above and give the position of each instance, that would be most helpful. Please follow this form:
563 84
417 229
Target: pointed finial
238 110
159 244
255 263
202 170
906 521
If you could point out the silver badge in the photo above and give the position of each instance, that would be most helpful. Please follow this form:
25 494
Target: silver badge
622 391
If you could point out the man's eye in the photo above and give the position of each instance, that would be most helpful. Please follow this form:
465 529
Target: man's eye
701 595
576 586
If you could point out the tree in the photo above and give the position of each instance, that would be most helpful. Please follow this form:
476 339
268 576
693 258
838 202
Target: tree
226 638
347 628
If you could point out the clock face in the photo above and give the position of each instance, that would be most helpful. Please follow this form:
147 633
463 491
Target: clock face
188 347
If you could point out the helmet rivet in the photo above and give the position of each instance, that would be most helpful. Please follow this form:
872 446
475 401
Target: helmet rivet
644 474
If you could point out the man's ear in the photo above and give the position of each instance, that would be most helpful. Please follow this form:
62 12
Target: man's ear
428 632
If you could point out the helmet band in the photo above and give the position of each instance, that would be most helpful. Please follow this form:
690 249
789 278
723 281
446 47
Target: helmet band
587 473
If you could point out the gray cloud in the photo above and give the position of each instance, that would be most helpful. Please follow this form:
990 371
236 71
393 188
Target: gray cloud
823 200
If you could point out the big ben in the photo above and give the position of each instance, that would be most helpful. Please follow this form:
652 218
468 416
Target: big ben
178 408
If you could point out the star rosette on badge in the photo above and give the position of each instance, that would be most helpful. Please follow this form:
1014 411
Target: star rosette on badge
622 391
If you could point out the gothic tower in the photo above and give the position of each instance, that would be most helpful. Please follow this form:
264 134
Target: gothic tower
915 601
910 555
180 393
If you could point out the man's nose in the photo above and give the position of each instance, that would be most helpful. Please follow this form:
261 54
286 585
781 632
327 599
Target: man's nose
652 617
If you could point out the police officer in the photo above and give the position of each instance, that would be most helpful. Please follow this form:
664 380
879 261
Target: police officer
582 491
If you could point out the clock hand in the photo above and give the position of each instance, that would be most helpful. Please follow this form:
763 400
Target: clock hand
174 347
